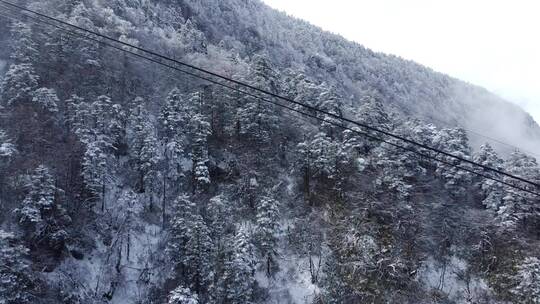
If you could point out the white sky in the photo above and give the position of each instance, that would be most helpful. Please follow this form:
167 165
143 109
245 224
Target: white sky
492 43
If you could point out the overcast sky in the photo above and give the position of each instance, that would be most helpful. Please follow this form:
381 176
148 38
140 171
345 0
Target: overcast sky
492 43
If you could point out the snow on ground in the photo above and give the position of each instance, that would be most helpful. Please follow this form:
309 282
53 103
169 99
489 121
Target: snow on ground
292 284
93 274
453 280
143 245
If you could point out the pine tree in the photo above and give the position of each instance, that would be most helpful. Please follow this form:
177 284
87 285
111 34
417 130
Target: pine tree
21 80
236 282
197 255
78 116
17 282
175 114
455 142
518 207
95 170
7 148
397 169
219 215
40 199
183 210
190 39
527 278
143 145
199 131
492 191
257 119
24 47
40 215
19 84
326 154
372 113
330 102
173 120
46 99
267 228
190 245
322 162
182 295
108 121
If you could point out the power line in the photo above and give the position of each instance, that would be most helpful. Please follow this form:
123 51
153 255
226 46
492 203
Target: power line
77 34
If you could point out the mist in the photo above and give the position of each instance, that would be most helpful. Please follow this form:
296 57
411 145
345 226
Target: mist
504 125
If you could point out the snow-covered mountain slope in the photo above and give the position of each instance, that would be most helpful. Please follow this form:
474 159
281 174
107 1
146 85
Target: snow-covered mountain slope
412 89
125 182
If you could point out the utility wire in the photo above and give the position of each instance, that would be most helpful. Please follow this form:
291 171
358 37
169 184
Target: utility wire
77 34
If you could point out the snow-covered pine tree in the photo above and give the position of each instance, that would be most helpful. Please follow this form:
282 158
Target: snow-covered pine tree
219 214
424 133
455 142
267 229
21 79
143 146
372 113
175 114
46 99
7 148
95 169
199 131
304 165
17 282
77 116
398 169
257 119
197 256
519 207
492 191
189 246
330 101
24 49
527 278
237 279
40 215
19 84
174 123
183 211
321 162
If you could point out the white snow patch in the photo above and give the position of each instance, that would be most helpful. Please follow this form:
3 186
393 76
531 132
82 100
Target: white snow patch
143 245
452 280
292 284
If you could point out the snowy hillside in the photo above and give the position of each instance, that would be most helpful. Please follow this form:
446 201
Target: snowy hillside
122 181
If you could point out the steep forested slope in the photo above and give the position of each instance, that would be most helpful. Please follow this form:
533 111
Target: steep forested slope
124 182
409 88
